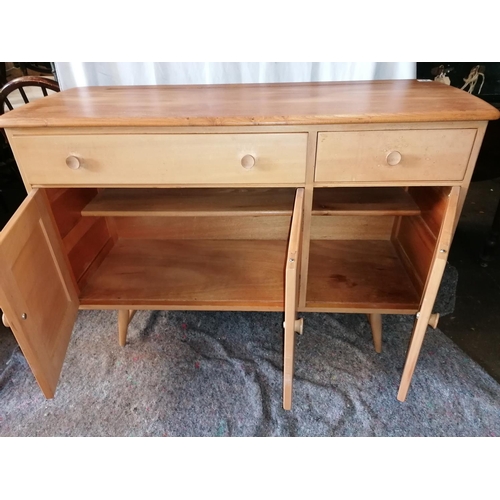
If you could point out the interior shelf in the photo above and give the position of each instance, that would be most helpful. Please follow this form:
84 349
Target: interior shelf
363 201
358 275
191 202
196 274
168 254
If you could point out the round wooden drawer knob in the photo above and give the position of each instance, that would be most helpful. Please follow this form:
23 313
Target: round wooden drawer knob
248 161
73 162
393 158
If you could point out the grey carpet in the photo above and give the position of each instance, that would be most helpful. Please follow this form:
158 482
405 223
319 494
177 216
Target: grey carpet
219 374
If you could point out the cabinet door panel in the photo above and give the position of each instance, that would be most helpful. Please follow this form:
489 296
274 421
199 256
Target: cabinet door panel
37 296
292 282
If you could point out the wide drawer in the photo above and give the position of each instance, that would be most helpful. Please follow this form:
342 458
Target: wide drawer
395 155
175 159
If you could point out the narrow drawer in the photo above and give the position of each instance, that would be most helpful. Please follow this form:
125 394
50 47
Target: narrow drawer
395 155
175 159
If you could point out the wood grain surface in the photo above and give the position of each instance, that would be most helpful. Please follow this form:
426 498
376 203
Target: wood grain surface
202 274
426 155
201 202
37 294
252 104
170 159
358 274
363 201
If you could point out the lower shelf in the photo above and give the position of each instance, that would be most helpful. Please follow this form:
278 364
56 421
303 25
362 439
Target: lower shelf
358 275
190 274
248 275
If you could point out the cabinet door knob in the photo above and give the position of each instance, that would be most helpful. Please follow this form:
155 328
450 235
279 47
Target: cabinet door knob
248 161
5 321
393 158
73 162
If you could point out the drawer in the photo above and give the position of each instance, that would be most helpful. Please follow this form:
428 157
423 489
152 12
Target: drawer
395 155
154 159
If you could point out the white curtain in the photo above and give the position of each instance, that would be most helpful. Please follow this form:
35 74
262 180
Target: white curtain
156 73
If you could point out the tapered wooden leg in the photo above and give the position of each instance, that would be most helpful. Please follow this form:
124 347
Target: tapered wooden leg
131 314
423 318
375 320
124 318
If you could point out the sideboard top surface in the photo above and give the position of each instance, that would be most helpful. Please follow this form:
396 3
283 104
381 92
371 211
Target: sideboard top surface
379 101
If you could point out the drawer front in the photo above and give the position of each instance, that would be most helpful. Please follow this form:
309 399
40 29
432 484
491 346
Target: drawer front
175 159
396 155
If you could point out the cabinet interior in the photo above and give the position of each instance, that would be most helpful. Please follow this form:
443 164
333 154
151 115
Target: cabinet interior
187 248
209 248
372 248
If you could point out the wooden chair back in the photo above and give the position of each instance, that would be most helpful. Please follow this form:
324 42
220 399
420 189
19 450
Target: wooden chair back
8 169
20 84
8 101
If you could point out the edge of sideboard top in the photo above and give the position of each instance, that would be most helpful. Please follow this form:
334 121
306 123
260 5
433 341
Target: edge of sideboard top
317 103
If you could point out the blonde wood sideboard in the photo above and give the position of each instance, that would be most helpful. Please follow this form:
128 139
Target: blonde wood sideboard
331 197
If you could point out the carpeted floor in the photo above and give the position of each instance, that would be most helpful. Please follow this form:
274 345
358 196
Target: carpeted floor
219 374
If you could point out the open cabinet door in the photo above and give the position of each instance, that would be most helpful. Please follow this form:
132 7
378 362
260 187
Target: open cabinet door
430 290
37 294
291 324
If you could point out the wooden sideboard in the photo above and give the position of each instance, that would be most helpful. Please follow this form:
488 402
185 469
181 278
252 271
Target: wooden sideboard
330 197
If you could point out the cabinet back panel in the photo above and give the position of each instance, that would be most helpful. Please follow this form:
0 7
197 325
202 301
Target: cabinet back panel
203 228
351 227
